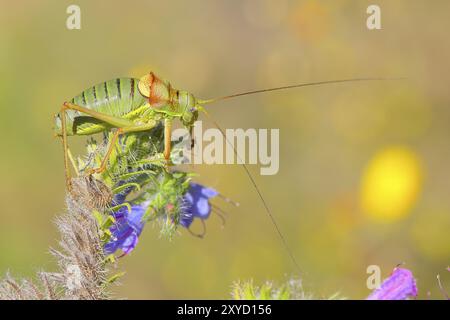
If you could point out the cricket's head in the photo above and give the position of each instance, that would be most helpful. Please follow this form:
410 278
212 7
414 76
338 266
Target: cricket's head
188 107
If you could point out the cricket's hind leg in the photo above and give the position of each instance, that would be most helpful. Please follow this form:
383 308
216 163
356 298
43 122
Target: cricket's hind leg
107 155
62 115
122 125
120 131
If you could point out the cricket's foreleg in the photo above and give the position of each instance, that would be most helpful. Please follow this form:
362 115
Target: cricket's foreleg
167 140
191 134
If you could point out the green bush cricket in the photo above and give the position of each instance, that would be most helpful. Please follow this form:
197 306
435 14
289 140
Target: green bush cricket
131 105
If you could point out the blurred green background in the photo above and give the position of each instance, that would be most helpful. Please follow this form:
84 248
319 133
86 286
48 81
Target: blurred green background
363 174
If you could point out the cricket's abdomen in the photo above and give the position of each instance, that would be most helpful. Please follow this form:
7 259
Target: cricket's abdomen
117 97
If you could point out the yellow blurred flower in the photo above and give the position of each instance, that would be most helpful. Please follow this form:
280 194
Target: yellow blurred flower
391 184
311 20
265 14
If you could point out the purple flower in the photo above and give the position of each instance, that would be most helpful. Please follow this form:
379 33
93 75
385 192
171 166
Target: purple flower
400 285
127 229
196 203
129 225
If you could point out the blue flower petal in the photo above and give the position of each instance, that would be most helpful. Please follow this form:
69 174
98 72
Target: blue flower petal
128 227
197 203
130 243
203 208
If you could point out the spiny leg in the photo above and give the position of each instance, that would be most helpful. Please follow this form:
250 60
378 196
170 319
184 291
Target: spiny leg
114 121
135 128
65 147
123 125
73 162
111 120
191 135
111 146
192 155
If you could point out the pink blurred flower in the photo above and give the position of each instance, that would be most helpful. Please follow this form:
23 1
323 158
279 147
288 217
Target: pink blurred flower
400 285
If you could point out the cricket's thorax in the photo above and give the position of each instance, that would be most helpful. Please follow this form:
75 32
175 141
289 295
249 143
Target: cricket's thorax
163 98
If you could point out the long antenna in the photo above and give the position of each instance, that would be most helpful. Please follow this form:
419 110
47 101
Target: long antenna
266 206
309 84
